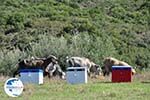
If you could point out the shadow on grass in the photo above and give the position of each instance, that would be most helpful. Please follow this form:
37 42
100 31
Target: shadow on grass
107 82
145 82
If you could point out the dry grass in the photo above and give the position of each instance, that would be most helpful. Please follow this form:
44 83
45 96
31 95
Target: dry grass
142 77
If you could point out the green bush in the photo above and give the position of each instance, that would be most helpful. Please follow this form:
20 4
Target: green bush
90 28
83 45
8 61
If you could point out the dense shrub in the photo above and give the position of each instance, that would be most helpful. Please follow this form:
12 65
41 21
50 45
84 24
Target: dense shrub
83 45
90 28
9 59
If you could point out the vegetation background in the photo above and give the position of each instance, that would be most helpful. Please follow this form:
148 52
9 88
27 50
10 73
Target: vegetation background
91 28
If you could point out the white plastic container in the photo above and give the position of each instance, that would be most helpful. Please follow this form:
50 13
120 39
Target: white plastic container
31 76
76 75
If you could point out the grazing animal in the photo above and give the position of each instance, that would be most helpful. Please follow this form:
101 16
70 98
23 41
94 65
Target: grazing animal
109 62
54 68
84 62
35 63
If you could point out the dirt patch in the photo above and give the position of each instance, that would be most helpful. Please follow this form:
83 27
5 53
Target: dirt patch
142 77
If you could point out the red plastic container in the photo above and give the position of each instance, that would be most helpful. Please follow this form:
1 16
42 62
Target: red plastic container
121 74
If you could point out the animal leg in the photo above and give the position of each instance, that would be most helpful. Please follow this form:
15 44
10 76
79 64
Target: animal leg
51 72
16 72
62 74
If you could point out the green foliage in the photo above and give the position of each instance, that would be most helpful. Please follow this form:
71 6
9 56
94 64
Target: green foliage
90 28
8 61
82 45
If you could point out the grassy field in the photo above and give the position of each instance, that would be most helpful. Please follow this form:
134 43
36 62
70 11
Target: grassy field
95 89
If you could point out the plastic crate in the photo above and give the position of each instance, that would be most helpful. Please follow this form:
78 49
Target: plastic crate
76 75
121 74
31 76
